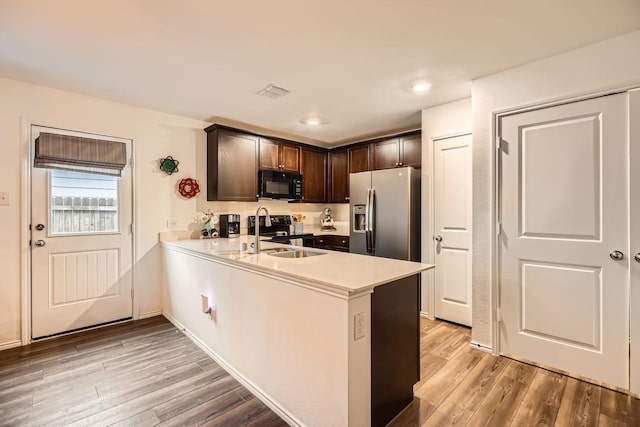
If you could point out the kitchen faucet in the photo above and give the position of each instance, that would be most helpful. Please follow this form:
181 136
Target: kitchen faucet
267 223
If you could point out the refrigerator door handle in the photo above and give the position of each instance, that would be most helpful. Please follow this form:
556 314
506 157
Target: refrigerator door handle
372 220
367 228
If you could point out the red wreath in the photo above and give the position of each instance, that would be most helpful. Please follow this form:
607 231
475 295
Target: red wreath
188 187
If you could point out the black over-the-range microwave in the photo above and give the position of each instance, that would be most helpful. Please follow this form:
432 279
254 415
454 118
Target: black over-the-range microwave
280 185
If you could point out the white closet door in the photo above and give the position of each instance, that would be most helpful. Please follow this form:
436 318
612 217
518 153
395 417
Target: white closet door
634 170
564 302
453 218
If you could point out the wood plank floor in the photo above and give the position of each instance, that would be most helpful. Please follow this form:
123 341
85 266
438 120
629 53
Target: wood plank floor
461 386
147 373
139 373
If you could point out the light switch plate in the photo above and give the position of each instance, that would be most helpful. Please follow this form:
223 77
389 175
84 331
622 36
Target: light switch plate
4 199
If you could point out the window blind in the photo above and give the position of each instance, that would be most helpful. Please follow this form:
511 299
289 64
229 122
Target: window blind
55 151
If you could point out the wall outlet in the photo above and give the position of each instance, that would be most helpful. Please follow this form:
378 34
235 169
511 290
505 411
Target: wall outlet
358 325
4 199
172 223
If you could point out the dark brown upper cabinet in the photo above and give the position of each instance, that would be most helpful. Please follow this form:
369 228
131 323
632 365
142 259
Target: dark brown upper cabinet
339 176
279 156
313 166
405 150
232 165
359 158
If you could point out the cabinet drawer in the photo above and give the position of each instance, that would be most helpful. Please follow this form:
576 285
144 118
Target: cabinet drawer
332 242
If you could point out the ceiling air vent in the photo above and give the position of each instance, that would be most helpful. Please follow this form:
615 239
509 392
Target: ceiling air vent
272 91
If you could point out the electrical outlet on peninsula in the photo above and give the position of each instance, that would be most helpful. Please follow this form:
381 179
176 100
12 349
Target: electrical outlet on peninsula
358 325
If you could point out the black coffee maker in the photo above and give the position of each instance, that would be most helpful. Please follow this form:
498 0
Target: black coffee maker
229 225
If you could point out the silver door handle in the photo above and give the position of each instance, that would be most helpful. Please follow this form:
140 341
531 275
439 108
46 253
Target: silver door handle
438 238
616 255
637 257
40 243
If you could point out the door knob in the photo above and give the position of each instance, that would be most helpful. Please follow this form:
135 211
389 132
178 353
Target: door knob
637 257
616 255
40 227
40 243
438 238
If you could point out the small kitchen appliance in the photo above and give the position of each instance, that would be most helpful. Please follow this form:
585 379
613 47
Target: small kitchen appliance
229 225
327 220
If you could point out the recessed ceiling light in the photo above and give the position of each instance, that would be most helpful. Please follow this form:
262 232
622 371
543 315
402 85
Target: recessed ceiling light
313 121
420 86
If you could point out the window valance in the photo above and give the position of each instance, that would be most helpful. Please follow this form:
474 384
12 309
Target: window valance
55 151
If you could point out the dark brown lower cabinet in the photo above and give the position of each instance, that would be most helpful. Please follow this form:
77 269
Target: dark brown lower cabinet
332 242
395 347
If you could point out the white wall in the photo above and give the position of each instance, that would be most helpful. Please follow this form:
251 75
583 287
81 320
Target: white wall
155 135
596 68
442 120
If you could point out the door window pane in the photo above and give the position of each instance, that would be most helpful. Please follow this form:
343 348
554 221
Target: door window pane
82 203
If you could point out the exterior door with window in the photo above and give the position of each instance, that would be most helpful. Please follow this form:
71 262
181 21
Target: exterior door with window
81 245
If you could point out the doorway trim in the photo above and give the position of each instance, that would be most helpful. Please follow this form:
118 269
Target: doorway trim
25 220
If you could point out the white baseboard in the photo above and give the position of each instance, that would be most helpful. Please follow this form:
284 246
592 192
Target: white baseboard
481 347
254 389
425 315
150 314
10 344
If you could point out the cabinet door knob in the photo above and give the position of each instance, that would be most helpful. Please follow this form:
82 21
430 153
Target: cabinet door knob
438 238
637 257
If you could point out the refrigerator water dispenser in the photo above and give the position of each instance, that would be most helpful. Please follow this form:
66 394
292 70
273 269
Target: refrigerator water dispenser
359 218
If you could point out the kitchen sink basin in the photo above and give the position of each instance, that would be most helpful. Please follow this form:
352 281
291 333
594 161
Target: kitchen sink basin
294 253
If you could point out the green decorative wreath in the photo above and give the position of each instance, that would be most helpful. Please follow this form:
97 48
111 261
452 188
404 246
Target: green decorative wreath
169 165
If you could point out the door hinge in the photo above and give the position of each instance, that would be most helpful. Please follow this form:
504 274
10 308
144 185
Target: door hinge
499 229
132 292
131 228
498 315
498 143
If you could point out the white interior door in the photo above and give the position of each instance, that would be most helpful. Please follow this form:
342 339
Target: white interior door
81 247
452 205
564 301
634 254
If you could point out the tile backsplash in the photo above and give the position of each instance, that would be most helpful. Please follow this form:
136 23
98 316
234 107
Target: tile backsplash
312 211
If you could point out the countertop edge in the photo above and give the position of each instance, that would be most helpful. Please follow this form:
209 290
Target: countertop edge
323 287
316 285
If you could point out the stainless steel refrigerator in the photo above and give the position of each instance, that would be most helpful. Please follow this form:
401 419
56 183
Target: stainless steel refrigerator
385 213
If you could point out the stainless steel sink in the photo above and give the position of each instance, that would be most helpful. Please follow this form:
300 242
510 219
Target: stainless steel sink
294 253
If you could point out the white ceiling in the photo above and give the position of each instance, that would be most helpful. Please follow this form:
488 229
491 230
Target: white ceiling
348 61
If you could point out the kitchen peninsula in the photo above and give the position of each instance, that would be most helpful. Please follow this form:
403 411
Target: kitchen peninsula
329 339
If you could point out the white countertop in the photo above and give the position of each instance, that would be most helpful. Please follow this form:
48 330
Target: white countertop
337 271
